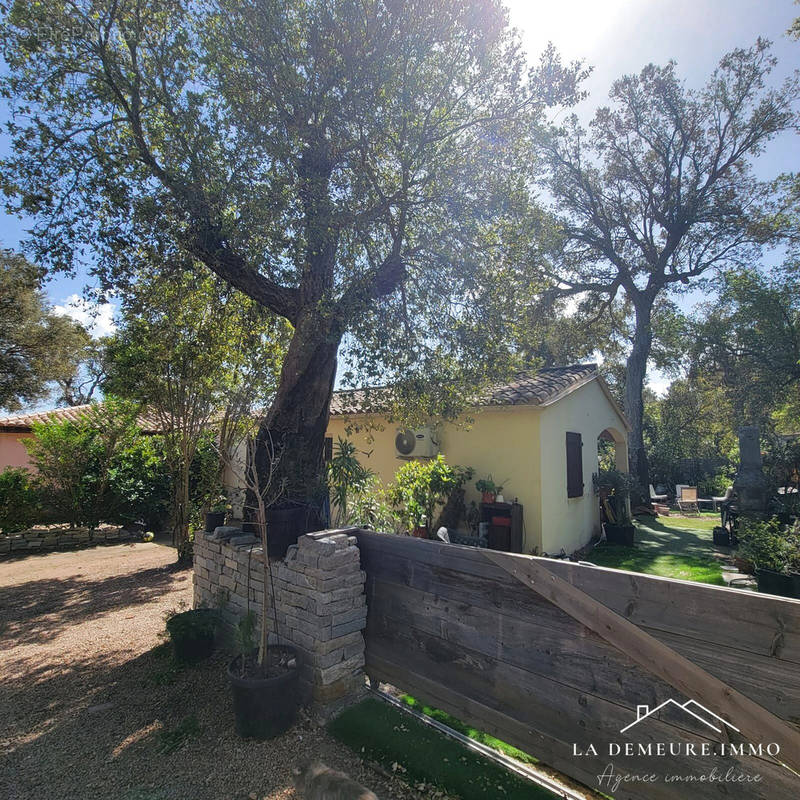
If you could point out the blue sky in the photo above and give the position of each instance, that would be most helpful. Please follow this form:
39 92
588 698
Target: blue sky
615 37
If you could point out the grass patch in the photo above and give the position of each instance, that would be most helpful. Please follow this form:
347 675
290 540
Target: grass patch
421 754
671 547
466 730
172 739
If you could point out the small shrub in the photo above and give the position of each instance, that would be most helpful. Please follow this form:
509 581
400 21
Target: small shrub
421 486
768 544
20 503
348 479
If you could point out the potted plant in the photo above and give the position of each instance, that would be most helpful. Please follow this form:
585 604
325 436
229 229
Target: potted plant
614 489
264 677
488 489
422 486
775 551
265 696
215 516
193 634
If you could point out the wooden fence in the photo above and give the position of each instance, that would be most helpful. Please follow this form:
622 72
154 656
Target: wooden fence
559 659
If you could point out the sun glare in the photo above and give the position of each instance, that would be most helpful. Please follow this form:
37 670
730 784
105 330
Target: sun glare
576 27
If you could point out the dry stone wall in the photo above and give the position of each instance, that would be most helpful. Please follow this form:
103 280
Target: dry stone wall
60 538
320 602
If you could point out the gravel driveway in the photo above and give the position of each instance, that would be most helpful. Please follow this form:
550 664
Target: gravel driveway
92 707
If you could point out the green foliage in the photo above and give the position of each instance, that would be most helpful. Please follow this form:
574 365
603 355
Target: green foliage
768 544
246 635
690 434
203 359
715 484
37 347
20 504
645 207
617 487
193 624
321 157
139 482
749 341
101 467
487 484
372 508
347 480
421 486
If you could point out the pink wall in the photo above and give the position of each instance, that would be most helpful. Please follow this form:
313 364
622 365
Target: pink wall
12 451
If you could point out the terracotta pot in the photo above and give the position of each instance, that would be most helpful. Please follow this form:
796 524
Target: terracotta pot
488 497
420 532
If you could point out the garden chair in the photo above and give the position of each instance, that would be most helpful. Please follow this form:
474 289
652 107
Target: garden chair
687 500
657 498
727 496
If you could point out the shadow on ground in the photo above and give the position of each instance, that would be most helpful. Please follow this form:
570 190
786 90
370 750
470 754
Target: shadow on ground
38 610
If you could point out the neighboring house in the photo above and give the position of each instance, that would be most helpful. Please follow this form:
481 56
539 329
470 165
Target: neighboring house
537 435
14 429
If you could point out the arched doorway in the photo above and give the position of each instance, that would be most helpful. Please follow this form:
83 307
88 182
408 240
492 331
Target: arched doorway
612 453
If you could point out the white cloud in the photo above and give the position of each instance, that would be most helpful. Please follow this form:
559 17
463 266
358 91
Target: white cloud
98 318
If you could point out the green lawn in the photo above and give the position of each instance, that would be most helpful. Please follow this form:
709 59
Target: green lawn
421 754
467 730
672 547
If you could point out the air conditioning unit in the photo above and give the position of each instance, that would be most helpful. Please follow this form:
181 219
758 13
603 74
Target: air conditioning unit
417 443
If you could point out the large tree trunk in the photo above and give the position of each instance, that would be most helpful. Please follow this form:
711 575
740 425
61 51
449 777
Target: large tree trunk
294 428
636 370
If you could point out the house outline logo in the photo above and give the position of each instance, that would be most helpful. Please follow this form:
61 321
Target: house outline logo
643 712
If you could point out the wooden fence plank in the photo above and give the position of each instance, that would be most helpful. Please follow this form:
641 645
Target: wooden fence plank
764 625
755 722
452 622
541 717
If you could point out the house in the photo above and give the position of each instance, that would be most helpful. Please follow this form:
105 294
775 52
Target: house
537 435
15 429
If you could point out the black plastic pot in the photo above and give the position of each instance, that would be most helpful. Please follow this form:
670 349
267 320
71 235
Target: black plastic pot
265 707
722 537
771 582
214 519
285 524
194 640
620 534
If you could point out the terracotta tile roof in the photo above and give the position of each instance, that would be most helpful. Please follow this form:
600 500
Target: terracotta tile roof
24 422
527 388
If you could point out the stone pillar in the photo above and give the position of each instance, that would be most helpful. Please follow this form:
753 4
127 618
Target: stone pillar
321 606
322 610
750 485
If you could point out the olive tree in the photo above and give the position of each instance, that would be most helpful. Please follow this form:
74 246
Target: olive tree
343 163
659 194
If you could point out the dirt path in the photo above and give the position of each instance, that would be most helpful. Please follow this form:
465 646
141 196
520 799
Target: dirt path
92 707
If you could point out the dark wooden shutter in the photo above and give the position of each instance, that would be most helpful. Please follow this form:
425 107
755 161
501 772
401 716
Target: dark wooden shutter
328 453
574 465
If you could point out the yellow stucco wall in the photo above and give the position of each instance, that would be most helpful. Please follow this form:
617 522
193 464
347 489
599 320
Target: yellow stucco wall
523 447
503 442
569 523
